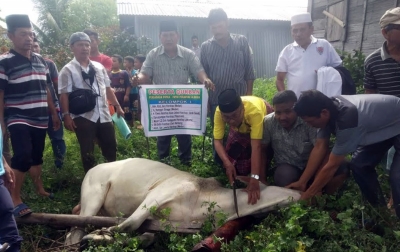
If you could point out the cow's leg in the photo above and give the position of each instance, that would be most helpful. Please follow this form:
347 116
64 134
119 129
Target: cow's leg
92 199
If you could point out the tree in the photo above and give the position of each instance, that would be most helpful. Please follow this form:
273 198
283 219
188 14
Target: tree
58 19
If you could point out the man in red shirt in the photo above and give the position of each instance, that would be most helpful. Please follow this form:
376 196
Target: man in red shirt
95 55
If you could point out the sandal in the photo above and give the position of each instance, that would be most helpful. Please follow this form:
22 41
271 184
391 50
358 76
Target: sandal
21 210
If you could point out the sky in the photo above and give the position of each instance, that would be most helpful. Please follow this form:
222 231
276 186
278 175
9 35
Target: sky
8 7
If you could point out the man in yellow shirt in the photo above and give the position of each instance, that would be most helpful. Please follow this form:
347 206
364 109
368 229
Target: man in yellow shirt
242 153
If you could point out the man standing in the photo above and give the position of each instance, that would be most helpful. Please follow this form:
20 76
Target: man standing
171 63
226 58
95 55
25 103
298 62
82 73
56 136
364 125
381 68
195 46
9 236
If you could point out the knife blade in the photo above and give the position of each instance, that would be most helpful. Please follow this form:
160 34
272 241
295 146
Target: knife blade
235 197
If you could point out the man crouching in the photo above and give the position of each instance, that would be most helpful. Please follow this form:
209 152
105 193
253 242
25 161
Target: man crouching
298 152
242 153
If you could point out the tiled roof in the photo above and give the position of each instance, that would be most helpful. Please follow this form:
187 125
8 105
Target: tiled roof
201 8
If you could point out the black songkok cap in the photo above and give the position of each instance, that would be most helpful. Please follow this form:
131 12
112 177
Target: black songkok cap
229 101
168 25
18 21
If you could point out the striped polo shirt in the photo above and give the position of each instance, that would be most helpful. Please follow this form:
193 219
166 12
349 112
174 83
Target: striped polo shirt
24 81
382 72
227 67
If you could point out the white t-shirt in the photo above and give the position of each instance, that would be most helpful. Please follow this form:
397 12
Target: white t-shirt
301 65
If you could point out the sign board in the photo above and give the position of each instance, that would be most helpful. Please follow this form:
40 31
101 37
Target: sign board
173 109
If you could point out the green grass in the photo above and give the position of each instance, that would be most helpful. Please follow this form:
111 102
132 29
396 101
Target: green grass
296 228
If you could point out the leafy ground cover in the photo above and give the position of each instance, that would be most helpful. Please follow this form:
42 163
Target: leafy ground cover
341 222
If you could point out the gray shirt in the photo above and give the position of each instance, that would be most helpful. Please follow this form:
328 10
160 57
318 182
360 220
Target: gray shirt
290 147
227 67
167 70
362 120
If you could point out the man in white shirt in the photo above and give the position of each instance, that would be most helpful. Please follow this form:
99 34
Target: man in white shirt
94 122
299 61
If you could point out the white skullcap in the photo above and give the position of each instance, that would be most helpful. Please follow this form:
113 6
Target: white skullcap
301 18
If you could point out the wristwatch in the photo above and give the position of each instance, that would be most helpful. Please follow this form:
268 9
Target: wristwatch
64 114
255 176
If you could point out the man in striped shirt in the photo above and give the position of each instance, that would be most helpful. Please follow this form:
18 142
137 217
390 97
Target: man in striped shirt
226 58
382 67
24 104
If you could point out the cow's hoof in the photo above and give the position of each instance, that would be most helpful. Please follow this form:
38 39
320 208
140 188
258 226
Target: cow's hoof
74 236
98 237
146 239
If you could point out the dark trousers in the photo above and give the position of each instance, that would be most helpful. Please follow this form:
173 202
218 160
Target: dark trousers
86 131
8 227
6 148
184 147
363 164
57 143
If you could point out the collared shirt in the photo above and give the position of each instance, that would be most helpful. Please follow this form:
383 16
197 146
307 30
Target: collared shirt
70 79
382 72
24 84
227 67
300 65
290 147
254 111
167 70
362 120
196 51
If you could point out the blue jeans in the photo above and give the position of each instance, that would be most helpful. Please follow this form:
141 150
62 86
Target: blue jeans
8 228
363 164
57 143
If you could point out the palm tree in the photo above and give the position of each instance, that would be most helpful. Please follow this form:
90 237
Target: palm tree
51 20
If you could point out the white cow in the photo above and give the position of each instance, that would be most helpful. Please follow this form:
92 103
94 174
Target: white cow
134 185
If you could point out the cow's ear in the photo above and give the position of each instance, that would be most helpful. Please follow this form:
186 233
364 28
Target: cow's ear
244 179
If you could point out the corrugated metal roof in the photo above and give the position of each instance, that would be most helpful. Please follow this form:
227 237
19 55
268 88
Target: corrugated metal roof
201 8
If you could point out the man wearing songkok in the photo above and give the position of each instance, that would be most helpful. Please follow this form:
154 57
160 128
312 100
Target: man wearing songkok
25 103
299 61
242 153
365 126
171 63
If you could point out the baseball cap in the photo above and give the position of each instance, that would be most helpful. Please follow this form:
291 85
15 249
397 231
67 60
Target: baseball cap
391 16
78 36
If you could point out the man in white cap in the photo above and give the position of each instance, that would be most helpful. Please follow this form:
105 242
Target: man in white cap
300 60
381 71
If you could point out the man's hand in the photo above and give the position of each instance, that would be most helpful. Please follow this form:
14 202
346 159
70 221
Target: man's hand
253 190
209 84
135 80
230 172
126 98
69 123
56 121
119 111
3 127
300 186
9 177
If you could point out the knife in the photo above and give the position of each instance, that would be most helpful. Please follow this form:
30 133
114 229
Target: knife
234 197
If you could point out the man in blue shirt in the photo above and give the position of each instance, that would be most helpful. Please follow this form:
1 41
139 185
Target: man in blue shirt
8 228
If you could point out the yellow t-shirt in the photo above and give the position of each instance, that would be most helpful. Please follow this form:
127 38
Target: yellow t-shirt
254 112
